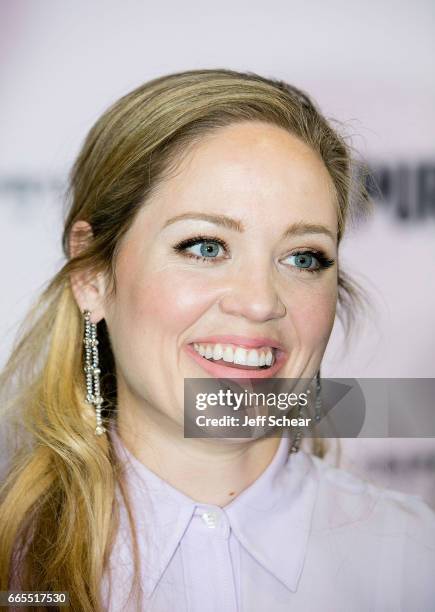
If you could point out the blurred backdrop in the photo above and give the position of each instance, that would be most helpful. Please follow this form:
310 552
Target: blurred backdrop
369 65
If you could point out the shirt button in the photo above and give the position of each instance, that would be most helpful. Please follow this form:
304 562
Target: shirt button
211 519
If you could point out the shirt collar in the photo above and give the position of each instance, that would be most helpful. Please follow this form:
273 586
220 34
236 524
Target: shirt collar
271 518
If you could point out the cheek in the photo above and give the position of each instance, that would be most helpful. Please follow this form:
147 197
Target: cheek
314 313
168 303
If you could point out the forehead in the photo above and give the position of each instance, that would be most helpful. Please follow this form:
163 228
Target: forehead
253 171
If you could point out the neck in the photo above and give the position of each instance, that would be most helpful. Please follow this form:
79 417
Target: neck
209 471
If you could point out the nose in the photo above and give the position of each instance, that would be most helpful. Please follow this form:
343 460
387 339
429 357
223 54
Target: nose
253 295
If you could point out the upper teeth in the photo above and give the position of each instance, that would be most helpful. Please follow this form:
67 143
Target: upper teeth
236 354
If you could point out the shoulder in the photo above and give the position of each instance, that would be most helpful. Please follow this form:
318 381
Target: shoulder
352 498
372 540
390 531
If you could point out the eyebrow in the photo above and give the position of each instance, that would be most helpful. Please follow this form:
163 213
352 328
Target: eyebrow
295 229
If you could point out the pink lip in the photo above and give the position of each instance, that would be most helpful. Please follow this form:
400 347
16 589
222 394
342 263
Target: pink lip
241 341
221 371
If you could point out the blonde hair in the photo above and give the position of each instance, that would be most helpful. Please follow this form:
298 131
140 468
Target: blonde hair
58 508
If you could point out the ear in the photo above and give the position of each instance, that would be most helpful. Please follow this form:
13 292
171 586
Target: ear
89 288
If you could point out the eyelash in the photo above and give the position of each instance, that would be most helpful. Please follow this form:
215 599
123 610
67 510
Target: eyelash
324 261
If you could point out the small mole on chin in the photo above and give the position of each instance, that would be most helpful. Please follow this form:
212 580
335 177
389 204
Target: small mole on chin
231 493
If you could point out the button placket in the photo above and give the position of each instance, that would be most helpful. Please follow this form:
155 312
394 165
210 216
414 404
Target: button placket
206 554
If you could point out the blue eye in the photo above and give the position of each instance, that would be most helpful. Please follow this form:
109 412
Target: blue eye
202 248
207 248
304 261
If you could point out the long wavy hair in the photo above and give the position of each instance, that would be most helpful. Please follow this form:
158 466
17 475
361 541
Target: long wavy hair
58 504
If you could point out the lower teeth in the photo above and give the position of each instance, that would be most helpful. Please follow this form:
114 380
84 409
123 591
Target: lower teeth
229 363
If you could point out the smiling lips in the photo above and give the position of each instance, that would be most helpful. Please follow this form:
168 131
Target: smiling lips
221 355
237 356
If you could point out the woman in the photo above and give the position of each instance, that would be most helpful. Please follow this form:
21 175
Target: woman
207 211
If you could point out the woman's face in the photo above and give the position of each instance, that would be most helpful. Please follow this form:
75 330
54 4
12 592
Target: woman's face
211 265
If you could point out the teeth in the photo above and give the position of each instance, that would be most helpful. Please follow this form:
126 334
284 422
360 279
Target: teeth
236 354
240 356
217 352
228 354
253 358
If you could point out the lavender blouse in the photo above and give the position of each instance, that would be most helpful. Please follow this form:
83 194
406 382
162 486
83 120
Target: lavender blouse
304 536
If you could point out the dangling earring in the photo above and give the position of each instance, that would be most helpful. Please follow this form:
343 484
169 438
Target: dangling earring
93 371
318 413
296 442
317 416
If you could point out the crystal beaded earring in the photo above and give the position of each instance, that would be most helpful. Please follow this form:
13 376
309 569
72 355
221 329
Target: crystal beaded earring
92 371
317 416
318 412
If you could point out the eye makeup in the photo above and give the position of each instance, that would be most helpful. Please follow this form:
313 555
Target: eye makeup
304 255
